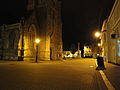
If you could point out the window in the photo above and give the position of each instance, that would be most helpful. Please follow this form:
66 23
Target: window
118 42
104 37
11 40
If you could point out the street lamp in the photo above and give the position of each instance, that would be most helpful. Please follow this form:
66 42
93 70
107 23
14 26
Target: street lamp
99 44
37 42
97 34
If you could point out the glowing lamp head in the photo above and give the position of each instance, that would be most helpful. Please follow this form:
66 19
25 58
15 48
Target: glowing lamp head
37 41
99 44
97 34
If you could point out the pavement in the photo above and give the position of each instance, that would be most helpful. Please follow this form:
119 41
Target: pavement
76 74
113 74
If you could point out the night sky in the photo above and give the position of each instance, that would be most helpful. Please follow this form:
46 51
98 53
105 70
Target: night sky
80 18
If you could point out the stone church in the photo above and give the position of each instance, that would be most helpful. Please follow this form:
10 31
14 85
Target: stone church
42 20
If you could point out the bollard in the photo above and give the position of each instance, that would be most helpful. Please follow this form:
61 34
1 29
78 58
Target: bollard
100 63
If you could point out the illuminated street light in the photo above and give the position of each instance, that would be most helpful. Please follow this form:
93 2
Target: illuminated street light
97 34
99 44
37 42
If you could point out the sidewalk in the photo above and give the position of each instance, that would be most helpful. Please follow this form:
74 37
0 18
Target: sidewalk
112 72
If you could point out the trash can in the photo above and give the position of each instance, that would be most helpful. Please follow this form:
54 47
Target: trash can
100 63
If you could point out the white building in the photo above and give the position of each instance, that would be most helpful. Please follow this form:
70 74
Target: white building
110 39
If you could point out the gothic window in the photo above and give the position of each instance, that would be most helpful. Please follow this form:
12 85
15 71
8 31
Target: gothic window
11 40
31 37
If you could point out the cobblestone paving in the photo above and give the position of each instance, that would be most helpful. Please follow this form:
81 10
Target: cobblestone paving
74 74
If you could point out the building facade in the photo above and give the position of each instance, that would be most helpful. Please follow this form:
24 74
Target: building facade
43 21
111 35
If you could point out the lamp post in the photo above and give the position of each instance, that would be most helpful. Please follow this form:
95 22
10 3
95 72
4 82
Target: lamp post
21 58
37 42
78 50
99 46
98 35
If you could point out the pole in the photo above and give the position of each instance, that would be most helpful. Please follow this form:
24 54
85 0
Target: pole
78 49
98 50
36 53
78 46
21 58
22 44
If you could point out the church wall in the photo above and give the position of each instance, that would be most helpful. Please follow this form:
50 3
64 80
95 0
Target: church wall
10 38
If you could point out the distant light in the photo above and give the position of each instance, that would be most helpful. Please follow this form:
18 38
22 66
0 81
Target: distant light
37 41
98 54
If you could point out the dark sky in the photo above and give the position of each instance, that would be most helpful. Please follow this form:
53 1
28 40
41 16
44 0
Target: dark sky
80 18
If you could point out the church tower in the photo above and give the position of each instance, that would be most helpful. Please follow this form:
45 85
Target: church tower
43 21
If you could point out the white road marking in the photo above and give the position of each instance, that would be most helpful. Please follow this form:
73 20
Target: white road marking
105 79
107 82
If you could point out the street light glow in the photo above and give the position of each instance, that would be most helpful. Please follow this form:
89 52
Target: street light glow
97 34
37 41
99 44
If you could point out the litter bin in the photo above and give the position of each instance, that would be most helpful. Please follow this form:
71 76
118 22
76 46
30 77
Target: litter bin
100 63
